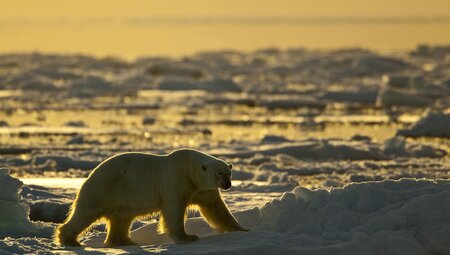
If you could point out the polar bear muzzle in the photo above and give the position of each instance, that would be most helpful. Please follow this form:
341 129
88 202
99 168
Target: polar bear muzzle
226 184
225 181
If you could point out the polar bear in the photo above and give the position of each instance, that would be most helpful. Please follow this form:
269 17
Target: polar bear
130 185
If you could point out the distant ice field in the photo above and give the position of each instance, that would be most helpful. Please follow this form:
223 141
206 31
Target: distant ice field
340 151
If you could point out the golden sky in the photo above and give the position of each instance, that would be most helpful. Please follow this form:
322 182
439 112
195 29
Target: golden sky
78 26
202 8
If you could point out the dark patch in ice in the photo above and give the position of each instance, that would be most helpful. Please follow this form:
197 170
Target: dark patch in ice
148 120
75 123
274 139
215 85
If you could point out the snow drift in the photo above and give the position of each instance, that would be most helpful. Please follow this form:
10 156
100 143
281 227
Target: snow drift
14 220
408 216
335 149
388 217
433 124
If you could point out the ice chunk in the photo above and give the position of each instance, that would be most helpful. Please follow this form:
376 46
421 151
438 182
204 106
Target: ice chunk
433 124
391 97
274 139
408 216
14 221
319 149
214 85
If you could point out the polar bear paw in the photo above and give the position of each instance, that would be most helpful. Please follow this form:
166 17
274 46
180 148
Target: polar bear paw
185 239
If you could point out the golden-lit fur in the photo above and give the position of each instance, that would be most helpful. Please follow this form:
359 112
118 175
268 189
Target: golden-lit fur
131 185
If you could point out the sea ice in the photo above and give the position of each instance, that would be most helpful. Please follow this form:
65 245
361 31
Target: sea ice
14 220
389 217
408 216
433 124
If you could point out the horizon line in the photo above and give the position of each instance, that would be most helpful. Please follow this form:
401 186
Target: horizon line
265 20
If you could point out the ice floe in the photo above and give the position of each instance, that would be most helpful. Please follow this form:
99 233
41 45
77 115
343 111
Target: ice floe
432 124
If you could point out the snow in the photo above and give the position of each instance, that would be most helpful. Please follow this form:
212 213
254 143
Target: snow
14 220
328 149
432 124
390 97
388 217
397 146
215 85
321 142
408 216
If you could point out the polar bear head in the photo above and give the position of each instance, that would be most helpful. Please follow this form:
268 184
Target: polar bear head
216 174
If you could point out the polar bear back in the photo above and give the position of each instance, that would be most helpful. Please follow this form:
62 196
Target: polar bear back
136 181
131 181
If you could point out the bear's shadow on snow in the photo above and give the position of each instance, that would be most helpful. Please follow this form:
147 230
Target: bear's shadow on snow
148 237
134 249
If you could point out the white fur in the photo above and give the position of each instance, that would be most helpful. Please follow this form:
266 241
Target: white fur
129 185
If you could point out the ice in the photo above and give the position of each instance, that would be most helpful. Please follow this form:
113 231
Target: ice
388 217
171 69
318 149
377 64
408 90
404 82
318 119
63 163
433 124
408 216
14 220
78 123
397 146
148 120
27 245
214 85
329 149
242 175
390 97
357 95
289 102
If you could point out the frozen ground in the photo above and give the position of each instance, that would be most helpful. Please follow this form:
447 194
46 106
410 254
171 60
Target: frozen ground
408 216
317 139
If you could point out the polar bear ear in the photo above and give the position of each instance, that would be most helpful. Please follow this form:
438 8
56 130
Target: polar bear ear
230 166
204 167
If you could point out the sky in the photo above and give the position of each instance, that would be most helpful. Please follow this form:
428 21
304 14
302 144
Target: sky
202 8
134 28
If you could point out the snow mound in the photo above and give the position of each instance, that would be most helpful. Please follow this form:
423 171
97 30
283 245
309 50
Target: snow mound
27 245
14 221
397 146
214 85
391 97
408 216
434 124
332 149
376 65
317 149
389 217
63 163
172 70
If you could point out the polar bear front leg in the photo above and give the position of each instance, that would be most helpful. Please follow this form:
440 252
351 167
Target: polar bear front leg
173 217
216 213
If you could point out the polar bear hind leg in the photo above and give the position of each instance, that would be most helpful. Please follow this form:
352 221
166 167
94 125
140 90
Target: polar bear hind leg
119 230
67 234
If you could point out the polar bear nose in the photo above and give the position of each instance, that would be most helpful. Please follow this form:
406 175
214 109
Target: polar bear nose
226 185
